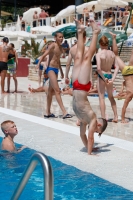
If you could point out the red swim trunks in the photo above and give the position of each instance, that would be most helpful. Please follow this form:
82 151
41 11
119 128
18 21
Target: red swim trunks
78 86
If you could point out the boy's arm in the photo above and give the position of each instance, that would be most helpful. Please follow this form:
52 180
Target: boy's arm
68 64
48 51
122 87
92 128
20 149
8 146
16 59
99 67
116 70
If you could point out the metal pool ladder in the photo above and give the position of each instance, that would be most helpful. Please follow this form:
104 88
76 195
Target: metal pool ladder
47 172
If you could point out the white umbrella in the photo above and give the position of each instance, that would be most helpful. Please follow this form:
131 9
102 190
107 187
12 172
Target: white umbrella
28 15
128 1
53 19
8 33
112 3
18 25
25 34
44 29
65 12
98 7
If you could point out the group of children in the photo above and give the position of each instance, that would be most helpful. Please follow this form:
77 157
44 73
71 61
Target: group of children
81 81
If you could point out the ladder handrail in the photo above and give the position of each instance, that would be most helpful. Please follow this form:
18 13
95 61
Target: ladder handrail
47 172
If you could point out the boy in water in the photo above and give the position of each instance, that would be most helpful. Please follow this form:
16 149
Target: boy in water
81 85
10 130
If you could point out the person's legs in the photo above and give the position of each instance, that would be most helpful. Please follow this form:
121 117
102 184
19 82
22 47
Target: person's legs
114 44
112 101
80 44
49 99
8 82
3 75
92 49
40 89
126 102
101 91
15 82
120 63
55 86
82 134
39 77
85 71
131 59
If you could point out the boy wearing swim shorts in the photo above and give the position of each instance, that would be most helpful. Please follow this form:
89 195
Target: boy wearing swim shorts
81 86
54 51
127 73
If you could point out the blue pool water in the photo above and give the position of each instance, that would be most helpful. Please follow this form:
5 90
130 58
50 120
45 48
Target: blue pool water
70 183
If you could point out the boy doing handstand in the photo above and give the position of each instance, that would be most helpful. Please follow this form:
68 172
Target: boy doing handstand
81 85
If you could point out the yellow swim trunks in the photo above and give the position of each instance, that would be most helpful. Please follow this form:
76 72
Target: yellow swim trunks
128 70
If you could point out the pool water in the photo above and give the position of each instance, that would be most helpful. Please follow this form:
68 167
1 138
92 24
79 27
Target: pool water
70 183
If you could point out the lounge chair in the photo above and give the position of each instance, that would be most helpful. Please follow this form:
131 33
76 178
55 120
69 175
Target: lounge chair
124 24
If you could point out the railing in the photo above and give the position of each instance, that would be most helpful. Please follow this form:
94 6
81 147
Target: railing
47 172
54 21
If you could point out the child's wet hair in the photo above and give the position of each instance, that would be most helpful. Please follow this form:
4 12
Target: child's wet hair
104 125
104 41
4 125
56 34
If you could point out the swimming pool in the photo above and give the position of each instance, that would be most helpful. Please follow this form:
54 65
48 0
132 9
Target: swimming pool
70 183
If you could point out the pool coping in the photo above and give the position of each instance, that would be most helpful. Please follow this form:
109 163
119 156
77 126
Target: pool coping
120 143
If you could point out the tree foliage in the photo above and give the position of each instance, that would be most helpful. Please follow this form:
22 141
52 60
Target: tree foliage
33 50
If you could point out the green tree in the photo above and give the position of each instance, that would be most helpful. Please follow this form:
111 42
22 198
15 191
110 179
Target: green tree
33 50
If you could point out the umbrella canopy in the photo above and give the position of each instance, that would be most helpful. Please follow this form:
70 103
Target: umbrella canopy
25 34
68 30
3 13
44 29
112 3
98 7
120 37
8 33
128 1
65 12
18 25
28 15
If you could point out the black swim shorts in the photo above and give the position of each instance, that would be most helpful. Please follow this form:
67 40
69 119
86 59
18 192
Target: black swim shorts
3 66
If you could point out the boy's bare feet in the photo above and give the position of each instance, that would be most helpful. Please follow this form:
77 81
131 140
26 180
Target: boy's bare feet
3 92
80 27
124 121
94 26
115 120
30 89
